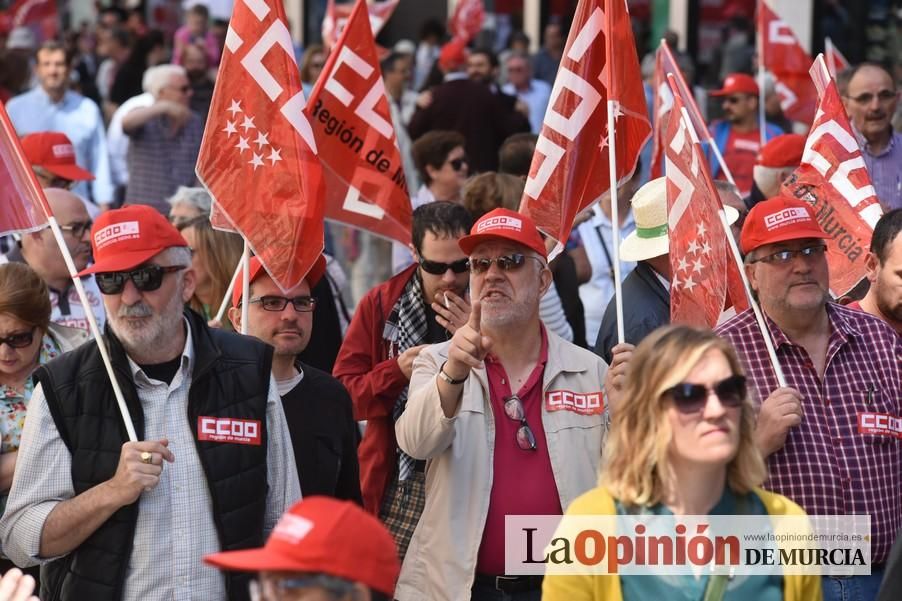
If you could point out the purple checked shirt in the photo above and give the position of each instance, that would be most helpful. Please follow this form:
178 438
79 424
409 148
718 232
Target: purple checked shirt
826 465
885 169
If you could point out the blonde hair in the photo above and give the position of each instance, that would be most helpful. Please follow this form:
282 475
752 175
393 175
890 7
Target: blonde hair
489 191
635 464
221 252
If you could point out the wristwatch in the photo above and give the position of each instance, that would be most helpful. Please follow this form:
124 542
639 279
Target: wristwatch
449 379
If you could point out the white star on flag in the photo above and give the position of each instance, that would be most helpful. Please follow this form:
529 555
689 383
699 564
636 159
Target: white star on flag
701 230
242 144
676 283
261 140
689 284
697 265
257 161
248 123
706 248
694 247
683 266
274 156
235 108
230 129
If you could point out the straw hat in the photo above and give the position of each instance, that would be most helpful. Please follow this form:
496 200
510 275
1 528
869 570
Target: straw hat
649 240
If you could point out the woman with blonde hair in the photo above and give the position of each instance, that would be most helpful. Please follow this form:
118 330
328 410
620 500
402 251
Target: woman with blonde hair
215 256
681 443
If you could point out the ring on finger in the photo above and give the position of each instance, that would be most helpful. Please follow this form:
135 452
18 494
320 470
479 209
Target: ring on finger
146 457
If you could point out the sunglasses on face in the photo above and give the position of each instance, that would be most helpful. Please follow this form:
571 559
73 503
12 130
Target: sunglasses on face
78 228
784 257
19 340
458 164
692 398
883 96
511 262
513 408
146 278
439 268
301 304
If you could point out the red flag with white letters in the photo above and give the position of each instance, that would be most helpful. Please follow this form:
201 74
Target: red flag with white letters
40 16
833 178
258 155
785 58
23 207
351 119
698 243
569 169
337 18
467 20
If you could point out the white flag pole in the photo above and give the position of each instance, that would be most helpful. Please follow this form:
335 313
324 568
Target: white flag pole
227 299
245 285
95 330
615 220
762 118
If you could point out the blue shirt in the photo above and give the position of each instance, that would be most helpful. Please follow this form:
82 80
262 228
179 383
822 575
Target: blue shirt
885 169
536 98
80 119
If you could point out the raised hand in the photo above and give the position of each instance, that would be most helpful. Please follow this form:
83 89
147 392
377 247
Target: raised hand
468 346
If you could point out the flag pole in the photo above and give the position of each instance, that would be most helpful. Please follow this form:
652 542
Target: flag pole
245 285
615 220
831 62
762 123
227 299
95 330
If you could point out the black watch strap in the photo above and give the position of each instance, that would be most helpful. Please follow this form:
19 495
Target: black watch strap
449 379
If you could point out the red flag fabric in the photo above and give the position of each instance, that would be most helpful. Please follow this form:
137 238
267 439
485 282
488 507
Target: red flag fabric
23 207
467 20
351 119
41 16
569 169
258 155
698 244
785 58
834 179
337 18
836 62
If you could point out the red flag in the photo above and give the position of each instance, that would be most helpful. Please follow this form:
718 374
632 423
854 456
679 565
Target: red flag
835 180
569 170
41 16
467 20
337 18
789 63
351 120
23 207
698 243
258 156
836 62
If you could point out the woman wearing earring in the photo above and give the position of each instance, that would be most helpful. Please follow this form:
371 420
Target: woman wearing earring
681 443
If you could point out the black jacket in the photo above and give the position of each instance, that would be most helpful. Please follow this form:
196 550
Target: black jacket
646 307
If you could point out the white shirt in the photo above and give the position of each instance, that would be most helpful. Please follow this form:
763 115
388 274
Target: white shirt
117 141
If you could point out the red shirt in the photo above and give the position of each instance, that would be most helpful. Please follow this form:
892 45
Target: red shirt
739 155
522 482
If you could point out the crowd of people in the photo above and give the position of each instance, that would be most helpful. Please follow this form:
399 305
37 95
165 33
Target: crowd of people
370 433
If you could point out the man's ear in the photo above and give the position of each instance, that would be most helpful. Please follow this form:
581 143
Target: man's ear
871 266
189 283
750 274
545 279
413 251
235 318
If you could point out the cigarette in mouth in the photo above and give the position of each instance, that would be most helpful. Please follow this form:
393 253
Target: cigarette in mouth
447 304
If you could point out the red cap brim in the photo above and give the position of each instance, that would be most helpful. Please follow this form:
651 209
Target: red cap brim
70 172
255 560
125 261
469 243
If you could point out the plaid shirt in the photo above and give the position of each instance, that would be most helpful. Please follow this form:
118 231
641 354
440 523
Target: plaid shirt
826 465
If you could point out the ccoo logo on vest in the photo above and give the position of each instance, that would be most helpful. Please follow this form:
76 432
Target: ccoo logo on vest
229 429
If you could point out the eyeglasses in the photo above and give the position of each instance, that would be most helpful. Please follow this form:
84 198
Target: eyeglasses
182 223
692 398
457 164
78 228
513 408
271 588
53 181
439 268
145 278
20 340
301 304
784 257
883 97
510 262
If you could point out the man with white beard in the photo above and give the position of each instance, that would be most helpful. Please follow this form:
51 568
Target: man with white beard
110 519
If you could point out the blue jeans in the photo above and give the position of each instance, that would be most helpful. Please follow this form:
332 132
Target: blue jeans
854 588
483 592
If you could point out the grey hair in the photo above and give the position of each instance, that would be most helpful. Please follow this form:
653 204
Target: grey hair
197 197
156 78
177 255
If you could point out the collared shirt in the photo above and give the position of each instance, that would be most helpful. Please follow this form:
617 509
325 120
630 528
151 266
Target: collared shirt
826 465
117 141
885 169
80 119
536 97
175 526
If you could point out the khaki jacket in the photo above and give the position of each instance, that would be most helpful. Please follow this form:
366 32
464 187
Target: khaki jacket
441 561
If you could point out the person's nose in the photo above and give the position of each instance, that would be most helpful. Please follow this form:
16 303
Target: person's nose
130 293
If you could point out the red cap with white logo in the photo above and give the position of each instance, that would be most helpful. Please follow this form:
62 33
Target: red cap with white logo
53 151
123 239
504 224
778 219
322 535
737 83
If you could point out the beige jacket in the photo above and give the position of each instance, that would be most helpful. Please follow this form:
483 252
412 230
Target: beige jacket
441 561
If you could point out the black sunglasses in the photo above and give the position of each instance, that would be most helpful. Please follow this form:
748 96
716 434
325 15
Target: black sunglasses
20 340
513 408
692 398
145 278
457 164
509 262
301 304
439 268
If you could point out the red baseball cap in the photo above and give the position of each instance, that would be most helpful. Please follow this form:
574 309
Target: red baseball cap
504 224
256 267
322 535
453 55
783 151
778 219
737 83
123 239
53 151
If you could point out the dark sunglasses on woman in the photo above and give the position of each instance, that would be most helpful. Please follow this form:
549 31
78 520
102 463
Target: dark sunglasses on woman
692 398
19 339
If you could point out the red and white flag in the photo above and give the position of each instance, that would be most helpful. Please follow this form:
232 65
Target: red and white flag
698 243
258 155
836 62
351 119
467 20
40 16
337 16
785 58
834 179
569 169
23 207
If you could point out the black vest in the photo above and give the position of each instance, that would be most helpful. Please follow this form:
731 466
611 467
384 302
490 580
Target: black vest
230 379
